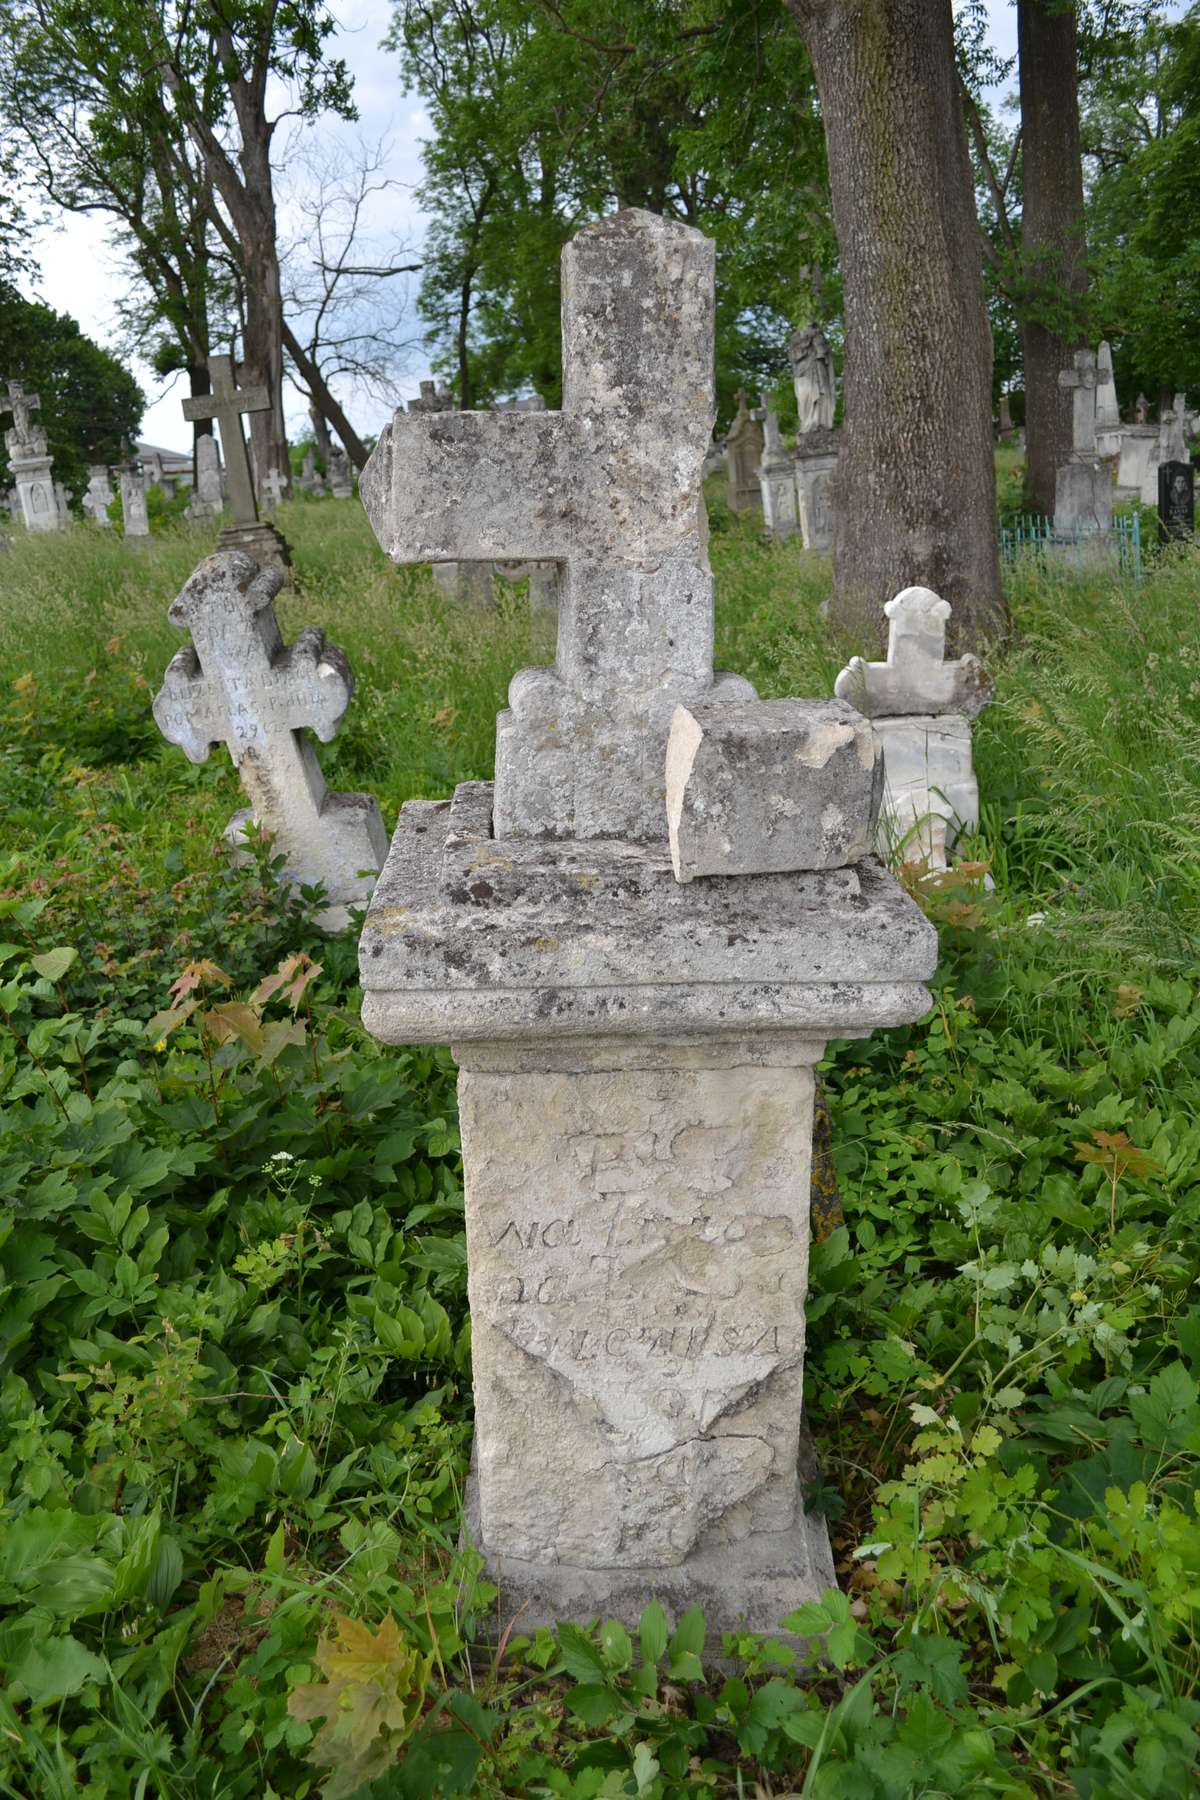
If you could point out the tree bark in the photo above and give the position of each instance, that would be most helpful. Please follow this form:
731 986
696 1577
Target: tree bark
321 435
915 488
314 381
1052 235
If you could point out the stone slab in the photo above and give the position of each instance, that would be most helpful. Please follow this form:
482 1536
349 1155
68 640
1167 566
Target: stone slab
770 787
930 792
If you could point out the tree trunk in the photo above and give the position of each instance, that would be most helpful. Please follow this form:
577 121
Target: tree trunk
199 384
264 304
321 437
915 488
1054 248
324 401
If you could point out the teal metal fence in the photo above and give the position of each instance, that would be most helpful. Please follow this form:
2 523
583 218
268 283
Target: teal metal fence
1031 536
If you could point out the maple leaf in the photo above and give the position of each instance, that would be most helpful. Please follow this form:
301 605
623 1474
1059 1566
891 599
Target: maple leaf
371 1700
1114 1153
290 980
197 975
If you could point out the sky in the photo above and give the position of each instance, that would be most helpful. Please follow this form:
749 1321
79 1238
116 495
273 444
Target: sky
80 270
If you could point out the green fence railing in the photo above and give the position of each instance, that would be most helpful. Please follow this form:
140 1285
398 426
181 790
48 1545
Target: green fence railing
1030 536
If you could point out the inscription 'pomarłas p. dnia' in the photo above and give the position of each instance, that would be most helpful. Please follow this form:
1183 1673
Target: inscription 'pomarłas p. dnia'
636 1051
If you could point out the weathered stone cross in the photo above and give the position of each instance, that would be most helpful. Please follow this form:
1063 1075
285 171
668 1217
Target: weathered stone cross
21 405
1083 379
226 404
610 488
236 682
916 678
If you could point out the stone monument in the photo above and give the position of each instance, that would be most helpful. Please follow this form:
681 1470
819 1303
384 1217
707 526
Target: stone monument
816 438
1005 425
207 500
813 379
134 517
743 455
1083 489
30 462
921 707
777 478
1108 411
636 1053
99 496
1176 502
273 490
310 481
236 682
226 404
341 481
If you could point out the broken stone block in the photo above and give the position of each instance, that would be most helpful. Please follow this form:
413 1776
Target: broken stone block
770 786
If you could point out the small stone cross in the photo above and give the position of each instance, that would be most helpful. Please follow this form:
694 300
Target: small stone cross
237 683
273 486
916 678
1083 379
226 404
610 488
22 406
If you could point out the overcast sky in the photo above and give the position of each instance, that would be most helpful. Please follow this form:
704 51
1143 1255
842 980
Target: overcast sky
80 273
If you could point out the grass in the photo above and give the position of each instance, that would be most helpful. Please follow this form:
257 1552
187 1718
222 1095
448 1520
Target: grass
234 1355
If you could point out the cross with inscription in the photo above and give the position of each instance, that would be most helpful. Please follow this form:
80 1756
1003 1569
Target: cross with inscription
236 682
22 406
610 489
226 404
1082 379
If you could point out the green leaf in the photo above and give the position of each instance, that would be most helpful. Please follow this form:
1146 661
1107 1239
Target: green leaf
594 1703
652 1632
645 1767
581 1659
52 965
615 1646
166 1572
53 1669
690 1633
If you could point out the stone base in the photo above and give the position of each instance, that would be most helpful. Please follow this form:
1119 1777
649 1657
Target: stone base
816 460
261 541
752 1585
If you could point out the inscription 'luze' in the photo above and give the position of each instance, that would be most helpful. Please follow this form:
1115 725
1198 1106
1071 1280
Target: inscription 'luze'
610 489
236 683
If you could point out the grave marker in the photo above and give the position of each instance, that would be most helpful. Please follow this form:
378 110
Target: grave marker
777 479
134 517
99 496
636 1053
1083 486
30 461
226 404
743 455
1176 502
238 684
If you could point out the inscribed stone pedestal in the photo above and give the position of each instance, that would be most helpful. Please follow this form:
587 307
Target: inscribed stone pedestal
743 455
1137 466
777 480
1176 502
226 403
816 463
133 505
921 707
237 683
636 1054
30 462
99 496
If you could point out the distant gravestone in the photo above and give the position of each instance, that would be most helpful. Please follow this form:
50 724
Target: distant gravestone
310 481
207 499
99 495
813 379
743 455
816 436
921 707
1176 502
1108 410
777 479
226 403
1172 432
1005 424
273 490
635 1052
236 683
1083 490
152 471
134 516
30 461
341 482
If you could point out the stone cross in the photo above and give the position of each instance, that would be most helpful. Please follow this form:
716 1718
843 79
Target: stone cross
1082 379
98 498
22 406
916 678
226 404
610 489
236 683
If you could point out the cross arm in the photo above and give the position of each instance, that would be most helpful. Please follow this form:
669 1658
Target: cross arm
209 406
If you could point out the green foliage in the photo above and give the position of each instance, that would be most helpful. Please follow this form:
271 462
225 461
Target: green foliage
90 402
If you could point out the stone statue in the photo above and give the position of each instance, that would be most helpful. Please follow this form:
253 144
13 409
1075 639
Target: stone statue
812 373
1141 411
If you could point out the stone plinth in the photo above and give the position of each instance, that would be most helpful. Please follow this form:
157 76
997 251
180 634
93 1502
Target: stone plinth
816 460
1137 465
33 474
135 519
777 480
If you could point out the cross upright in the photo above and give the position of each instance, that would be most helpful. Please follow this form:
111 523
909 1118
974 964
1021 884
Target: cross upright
226 404
22 406
610 489
236 682
1083 378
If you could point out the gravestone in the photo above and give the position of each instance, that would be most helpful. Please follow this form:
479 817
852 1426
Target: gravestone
208 500
1006 424
1172 432
341 482
1108 411
777 479
1137 465
636 1053
816 437
1176 502
743 455
310 481
237 683
135 520
30 462
273 490
813 379
226 404
99 496
152 472
921 707
62 500
1083 487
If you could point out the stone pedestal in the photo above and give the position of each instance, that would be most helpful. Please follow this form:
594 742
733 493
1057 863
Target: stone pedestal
816 460
35 490
1083 498
1137 464
261 541
777 479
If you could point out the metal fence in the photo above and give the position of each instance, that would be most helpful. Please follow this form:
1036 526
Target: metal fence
1030 536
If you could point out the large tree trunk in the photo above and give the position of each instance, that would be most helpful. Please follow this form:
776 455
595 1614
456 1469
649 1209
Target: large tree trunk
915 489
264 302
1052 235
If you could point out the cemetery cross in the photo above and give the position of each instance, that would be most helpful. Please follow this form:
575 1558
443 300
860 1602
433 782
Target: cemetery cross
1082 379
21 405
226 404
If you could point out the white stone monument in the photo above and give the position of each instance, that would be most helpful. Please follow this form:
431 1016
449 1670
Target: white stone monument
1083 489
1108 410
99 496
921 707
30 461
636 1053
777 479
135 519
341 481
237 683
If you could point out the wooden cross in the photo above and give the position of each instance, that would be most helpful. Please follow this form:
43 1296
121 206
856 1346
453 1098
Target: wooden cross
237 683
610 487
226 404
21 405
1082 378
